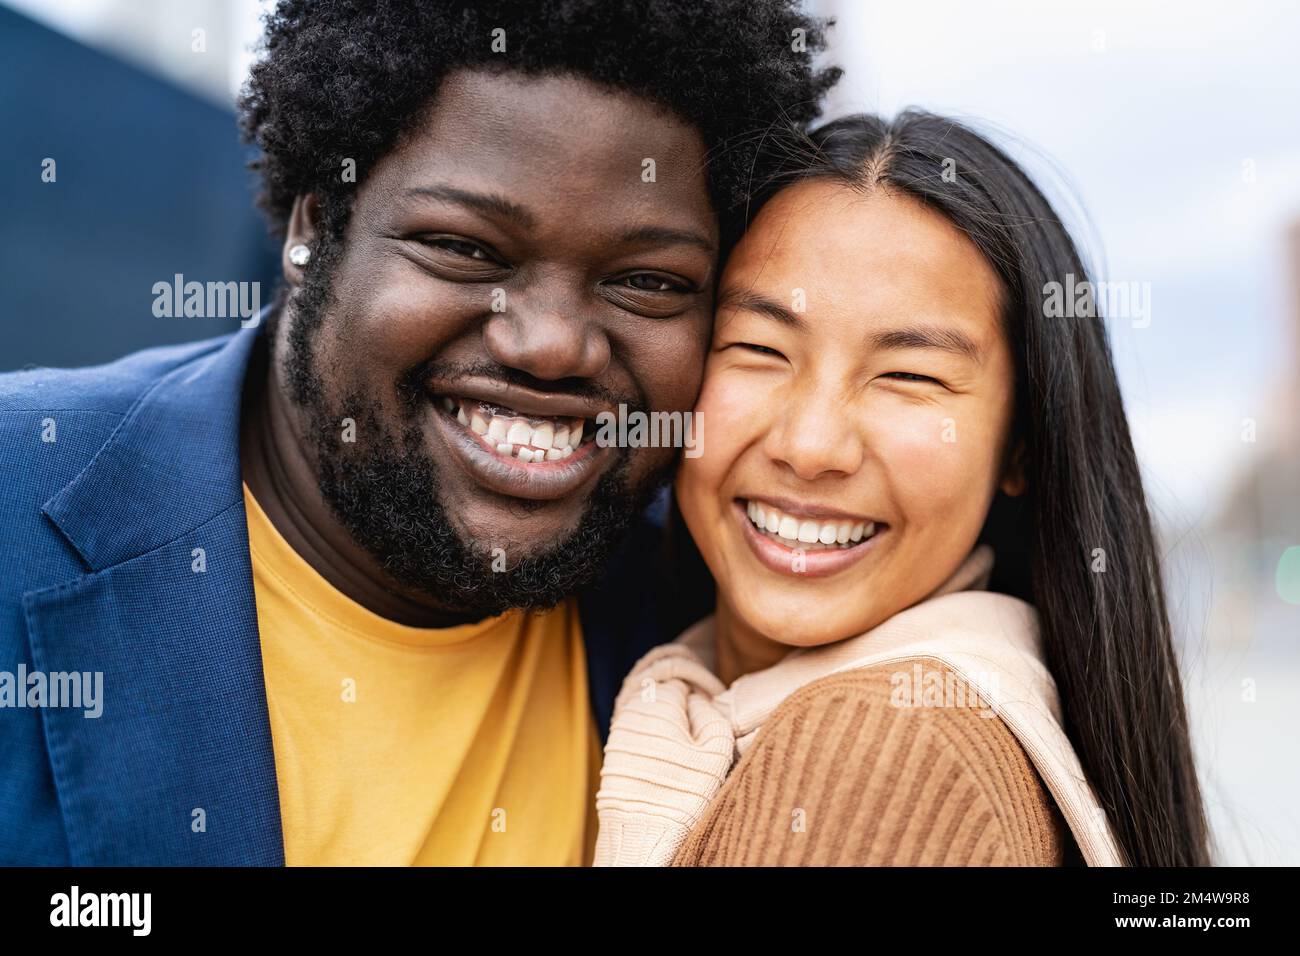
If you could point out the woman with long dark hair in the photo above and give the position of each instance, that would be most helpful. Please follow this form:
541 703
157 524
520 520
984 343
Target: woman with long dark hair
940 631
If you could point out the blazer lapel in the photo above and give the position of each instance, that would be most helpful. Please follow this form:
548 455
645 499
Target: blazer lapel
179 767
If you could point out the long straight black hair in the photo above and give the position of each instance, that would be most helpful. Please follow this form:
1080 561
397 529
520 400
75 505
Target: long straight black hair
1106 633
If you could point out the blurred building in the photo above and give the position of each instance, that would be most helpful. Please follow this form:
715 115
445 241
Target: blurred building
1259 518
149 181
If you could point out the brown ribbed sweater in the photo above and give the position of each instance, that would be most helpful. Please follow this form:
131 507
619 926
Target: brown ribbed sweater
839 776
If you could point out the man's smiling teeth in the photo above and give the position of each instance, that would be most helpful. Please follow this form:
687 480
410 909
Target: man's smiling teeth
528 440
804 532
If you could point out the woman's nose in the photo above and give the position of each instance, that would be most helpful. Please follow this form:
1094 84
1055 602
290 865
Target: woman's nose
549 341
812 439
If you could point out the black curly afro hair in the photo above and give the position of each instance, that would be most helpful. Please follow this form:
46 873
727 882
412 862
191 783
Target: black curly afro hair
347 78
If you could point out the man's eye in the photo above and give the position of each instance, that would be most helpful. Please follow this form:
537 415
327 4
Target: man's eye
650 282
460 247
910 377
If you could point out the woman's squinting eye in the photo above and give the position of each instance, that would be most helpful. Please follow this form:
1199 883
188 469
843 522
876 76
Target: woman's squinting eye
755 348
910 377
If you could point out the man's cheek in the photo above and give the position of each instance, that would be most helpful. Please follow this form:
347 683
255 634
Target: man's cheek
645 461
671 369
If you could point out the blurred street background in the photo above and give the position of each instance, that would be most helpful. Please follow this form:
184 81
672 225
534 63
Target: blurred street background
1168 135
1169 138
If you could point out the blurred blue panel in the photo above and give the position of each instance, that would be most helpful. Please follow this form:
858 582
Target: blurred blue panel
152 181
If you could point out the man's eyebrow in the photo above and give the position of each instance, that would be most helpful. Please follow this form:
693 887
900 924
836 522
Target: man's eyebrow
928 337
749 301
491 204
667 235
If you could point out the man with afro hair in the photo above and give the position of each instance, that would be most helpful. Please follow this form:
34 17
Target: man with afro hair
363 579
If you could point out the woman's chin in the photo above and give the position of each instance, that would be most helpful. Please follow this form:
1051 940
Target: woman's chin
798 624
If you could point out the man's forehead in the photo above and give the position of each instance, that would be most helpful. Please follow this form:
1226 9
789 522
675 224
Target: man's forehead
514 129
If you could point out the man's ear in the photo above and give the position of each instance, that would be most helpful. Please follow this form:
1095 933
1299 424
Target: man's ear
1013 482
301 231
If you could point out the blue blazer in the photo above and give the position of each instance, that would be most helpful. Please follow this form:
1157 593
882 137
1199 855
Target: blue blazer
111 477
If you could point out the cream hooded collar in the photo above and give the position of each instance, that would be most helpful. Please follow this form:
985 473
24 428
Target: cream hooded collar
677 730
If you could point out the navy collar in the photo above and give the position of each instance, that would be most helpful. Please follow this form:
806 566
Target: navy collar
199 400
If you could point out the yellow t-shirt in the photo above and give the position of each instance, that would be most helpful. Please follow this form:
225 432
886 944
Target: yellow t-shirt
397 745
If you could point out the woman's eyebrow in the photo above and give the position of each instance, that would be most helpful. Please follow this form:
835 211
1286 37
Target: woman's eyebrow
928 337
908 337
749 301
490 204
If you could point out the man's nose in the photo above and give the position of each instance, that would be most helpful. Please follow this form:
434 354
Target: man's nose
812 440
549 340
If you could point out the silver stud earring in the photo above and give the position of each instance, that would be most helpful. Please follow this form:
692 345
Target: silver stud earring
300 255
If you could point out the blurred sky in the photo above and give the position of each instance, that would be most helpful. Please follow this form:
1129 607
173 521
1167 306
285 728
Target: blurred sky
1138 120
1149 134
157 34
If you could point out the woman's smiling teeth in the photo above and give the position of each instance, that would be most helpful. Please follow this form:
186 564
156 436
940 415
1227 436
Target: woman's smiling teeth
793 531
512 435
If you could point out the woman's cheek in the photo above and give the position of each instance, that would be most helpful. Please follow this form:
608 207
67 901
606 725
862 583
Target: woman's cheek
930 465
700 477
729 411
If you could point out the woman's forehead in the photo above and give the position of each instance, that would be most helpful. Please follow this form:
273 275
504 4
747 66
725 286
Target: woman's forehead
832 246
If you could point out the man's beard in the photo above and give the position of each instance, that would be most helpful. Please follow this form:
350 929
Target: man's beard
384 489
